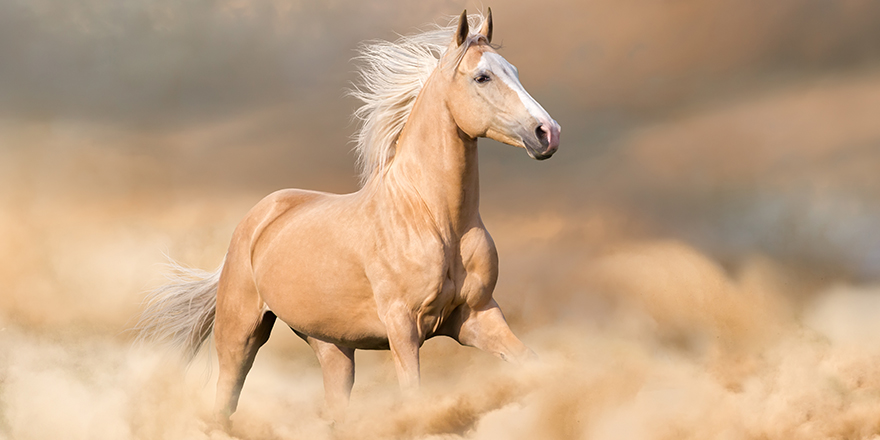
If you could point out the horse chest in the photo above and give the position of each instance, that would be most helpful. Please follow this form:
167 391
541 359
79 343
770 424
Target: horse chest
468 276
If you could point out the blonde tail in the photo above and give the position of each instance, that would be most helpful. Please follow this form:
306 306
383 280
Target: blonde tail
181 313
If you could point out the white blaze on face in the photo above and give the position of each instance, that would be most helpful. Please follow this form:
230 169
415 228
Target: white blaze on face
508 75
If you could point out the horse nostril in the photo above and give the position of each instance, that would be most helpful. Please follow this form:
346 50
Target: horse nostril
543 135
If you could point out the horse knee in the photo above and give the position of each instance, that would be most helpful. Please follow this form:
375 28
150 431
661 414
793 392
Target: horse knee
487 330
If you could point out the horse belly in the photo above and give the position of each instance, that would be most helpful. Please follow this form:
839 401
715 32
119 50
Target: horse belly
331 305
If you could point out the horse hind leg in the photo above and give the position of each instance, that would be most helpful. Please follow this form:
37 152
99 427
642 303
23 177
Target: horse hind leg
238 333
337 367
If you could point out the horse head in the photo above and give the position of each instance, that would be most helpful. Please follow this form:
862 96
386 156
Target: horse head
487 99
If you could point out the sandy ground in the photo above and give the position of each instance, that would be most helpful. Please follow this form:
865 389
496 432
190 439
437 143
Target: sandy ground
640 335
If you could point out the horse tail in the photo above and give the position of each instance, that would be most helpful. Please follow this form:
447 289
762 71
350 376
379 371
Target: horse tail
181 313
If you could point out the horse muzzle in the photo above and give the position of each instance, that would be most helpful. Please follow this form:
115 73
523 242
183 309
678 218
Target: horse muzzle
545 140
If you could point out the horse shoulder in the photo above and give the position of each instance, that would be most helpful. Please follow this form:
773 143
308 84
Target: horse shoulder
406 265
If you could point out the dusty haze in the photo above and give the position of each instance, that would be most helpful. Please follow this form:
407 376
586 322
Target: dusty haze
701 259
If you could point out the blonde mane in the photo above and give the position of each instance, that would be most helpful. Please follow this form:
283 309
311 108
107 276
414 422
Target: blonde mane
390 78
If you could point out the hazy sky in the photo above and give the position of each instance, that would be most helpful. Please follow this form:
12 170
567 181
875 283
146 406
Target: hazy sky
107 98
169 62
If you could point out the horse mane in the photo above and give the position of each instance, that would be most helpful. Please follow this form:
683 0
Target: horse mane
391 76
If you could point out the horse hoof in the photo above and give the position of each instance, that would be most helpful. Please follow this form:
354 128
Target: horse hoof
220 424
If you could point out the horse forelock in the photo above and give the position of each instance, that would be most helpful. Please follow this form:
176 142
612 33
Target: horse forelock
391 76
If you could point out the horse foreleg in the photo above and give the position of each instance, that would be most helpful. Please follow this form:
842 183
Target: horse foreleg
487 330
404 341
337 366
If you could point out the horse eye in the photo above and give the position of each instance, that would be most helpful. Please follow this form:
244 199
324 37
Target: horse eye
483 78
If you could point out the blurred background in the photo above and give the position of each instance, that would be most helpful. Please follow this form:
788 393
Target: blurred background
699 260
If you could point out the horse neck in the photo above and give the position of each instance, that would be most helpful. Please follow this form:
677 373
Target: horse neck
438 161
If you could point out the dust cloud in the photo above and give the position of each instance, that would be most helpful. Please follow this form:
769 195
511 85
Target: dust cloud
699 260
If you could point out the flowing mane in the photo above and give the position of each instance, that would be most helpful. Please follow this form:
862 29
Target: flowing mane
390 78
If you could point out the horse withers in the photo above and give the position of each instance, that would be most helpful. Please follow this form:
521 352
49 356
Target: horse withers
403 259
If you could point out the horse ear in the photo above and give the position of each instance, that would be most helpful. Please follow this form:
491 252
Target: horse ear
486 29
462 33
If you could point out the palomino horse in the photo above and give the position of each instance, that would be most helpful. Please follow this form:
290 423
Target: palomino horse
403 259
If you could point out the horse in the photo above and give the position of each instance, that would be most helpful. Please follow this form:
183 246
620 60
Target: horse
403 259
